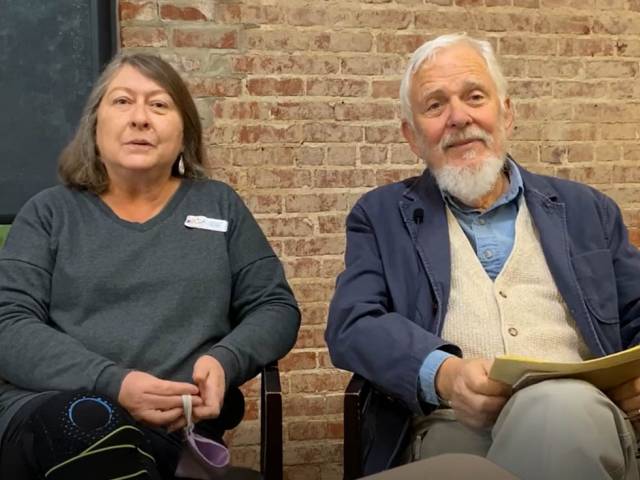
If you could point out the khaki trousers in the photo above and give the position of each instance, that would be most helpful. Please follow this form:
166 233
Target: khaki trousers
558 429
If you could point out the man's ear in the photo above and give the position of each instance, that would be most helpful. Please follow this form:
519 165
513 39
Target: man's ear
507 110
410 136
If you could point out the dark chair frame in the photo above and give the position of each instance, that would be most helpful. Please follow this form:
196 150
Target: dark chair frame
271 423
355 400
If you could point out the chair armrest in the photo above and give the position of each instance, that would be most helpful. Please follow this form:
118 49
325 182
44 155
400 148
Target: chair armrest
355 399
271 423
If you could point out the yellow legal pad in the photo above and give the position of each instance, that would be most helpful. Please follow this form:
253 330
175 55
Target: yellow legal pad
604 372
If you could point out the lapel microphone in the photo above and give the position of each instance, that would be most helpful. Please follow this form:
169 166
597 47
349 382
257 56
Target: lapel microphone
418 216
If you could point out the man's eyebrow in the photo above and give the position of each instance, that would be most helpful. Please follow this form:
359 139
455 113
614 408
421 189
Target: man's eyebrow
473 85
438 92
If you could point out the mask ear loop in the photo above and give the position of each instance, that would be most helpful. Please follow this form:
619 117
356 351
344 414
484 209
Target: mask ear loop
188 408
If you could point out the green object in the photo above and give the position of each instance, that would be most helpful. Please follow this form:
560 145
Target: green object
4 230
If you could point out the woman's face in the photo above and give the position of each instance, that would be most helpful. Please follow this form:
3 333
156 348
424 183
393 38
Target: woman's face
139 128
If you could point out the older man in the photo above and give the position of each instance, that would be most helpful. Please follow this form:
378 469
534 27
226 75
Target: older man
475 258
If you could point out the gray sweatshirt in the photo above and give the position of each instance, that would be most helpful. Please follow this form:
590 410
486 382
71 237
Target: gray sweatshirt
85 296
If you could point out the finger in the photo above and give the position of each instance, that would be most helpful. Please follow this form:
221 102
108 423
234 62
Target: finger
625 391
630 404
160 418
165 402
167 387
489 404
479 382
200 373
177 425
206 411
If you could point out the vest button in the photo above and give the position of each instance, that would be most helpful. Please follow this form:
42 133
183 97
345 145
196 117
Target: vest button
513 332
502 294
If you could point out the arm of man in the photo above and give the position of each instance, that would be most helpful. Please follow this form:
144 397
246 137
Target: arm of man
34 355
364 333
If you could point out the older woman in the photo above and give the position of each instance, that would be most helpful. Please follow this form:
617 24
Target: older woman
136 283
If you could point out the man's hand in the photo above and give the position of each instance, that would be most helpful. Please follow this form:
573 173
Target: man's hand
475 398
627 397
153 401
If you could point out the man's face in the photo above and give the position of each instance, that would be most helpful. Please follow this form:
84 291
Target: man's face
457 116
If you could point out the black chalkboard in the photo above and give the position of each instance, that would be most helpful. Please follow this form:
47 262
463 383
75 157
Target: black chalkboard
51 51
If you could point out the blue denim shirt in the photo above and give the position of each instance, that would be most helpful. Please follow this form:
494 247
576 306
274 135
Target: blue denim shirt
491 234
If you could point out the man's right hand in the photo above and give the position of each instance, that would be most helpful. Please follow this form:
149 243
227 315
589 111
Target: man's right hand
153 401
474 397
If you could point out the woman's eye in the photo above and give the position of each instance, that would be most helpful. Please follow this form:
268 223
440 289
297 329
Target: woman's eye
159 105
121 101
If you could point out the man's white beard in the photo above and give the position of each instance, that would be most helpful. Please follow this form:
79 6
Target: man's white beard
469 183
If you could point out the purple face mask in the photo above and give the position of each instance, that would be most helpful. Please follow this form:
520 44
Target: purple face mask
201 458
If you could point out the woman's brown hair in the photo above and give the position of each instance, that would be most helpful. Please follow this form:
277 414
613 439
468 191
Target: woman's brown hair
79 164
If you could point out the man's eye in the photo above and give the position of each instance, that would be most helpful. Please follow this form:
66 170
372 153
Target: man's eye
477 97
433 106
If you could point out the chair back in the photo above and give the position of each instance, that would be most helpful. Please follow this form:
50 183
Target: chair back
4 230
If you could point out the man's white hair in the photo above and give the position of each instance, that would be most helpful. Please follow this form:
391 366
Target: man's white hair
427 52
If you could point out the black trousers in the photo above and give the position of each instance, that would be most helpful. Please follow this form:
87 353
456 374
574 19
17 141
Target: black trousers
51 429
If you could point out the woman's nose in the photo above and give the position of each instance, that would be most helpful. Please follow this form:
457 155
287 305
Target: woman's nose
139 116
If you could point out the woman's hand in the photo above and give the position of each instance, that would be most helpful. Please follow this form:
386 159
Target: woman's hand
153 401
209 377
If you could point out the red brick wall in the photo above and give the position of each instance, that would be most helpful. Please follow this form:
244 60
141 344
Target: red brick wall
299 103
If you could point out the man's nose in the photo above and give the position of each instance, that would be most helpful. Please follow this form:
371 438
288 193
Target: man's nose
458 114
139 116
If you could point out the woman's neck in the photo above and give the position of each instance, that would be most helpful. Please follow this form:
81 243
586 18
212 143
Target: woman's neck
139 202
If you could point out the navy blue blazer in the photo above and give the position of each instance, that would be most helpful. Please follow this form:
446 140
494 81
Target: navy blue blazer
390 301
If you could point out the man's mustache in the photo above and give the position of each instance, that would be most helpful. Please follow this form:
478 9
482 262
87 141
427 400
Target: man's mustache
468 134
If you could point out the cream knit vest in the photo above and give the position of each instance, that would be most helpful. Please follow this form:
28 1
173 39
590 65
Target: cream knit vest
520 313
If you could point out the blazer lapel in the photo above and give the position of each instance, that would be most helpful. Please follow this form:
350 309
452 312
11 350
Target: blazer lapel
430 237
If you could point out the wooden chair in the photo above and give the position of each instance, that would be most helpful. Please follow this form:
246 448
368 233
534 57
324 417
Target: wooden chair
360 456
355 399
271 423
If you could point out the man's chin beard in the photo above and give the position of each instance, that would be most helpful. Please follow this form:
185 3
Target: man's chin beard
469 183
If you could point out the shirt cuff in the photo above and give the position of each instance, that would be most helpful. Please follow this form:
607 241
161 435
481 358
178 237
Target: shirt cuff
427 376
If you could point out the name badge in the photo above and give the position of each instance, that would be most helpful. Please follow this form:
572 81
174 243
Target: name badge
205 223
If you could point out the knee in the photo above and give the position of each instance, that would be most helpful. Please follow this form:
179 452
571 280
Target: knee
69 424
78 418
560 394
560 401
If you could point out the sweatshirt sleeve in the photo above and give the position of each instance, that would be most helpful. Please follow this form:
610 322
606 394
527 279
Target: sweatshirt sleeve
35 354
264 311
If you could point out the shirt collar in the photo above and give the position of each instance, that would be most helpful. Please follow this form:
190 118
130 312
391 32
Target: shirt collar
516 187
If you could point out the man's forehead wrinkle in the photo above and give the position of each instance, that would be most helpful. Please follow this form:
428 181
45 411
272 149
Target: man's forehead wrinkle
431 86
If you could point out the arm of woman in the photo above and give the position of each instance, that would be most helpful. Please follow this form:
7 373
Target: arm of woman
263 310
35 354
